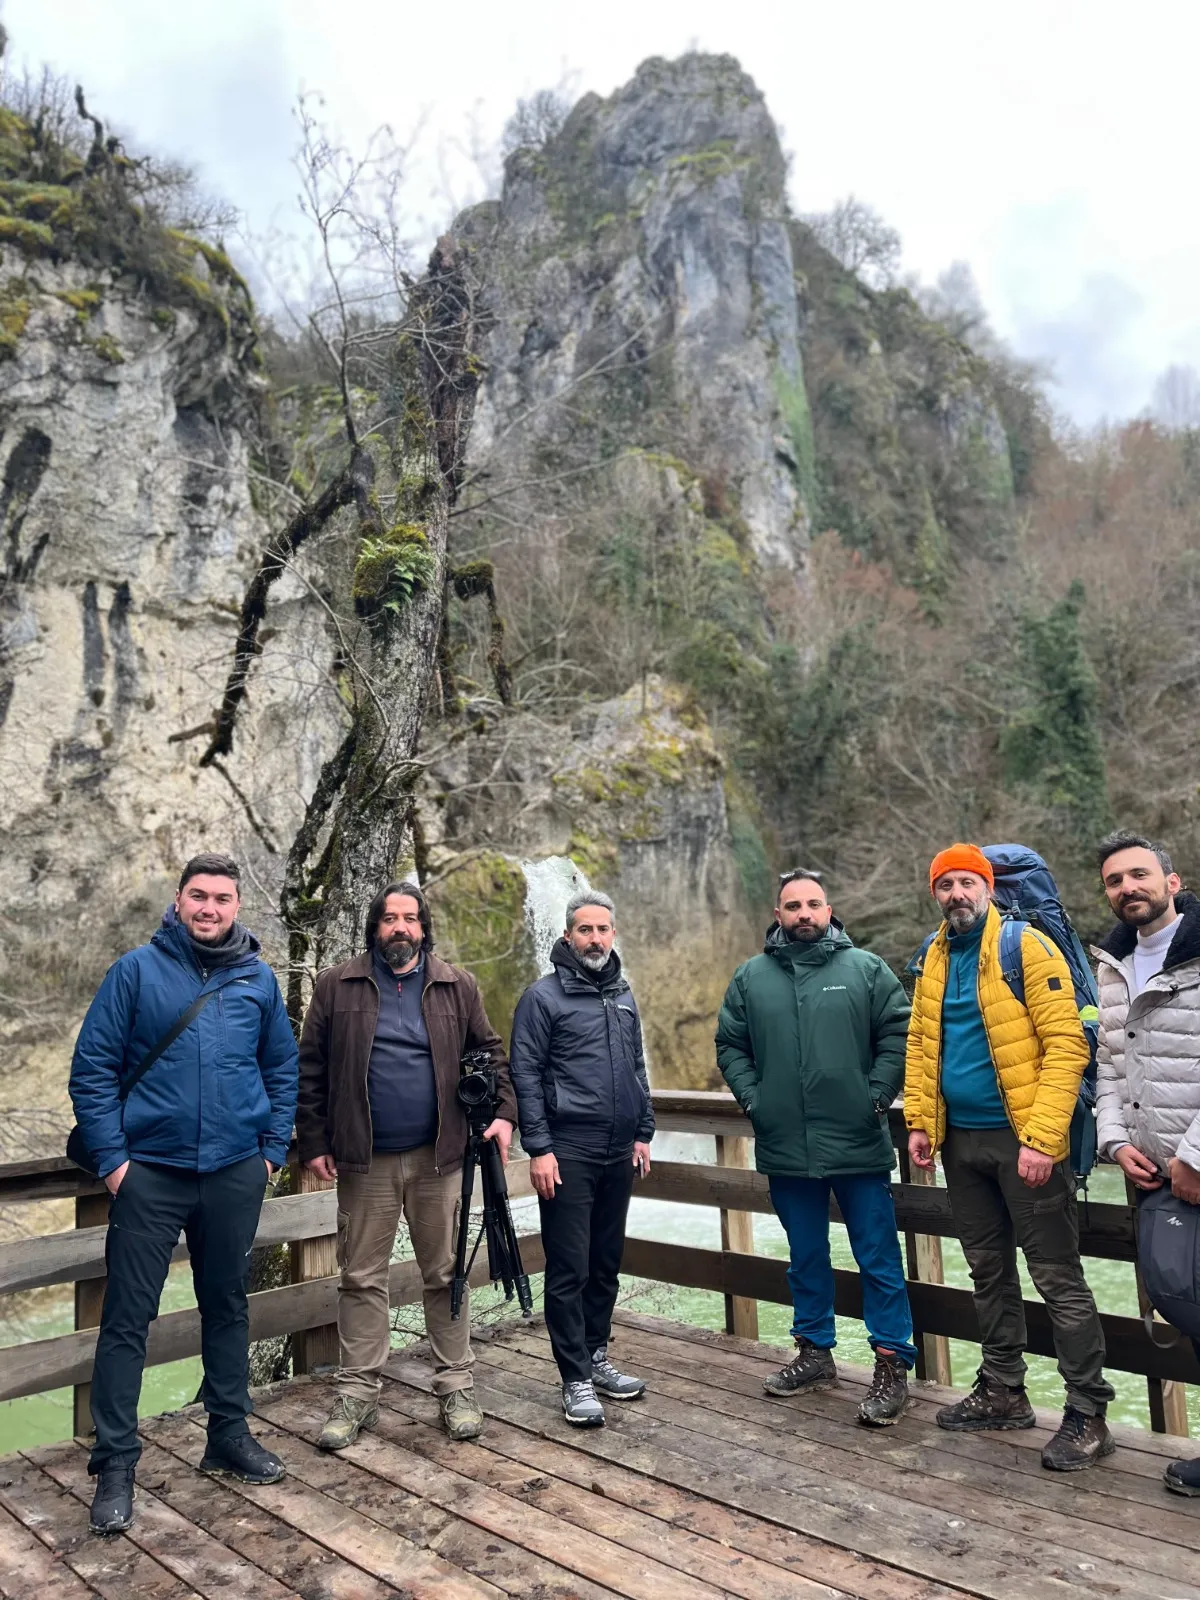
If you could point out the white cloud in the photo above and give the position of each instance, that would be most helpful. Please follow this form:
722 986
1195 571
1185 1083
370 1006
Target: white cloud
1045 141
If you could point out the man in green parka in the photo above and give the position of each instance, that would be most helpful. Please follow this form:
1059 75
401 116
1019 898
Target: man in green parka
810 1038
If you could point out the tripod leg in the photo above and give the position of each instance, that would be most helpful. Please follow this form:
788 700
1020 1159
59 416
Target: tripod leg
459 1283
502 1235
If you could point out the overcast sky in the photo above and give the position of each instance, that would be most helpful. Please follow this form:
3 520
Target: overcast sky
1049 143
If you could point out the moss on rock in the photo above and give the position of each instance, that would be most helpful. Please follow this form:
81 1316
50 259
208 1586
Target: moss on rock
479 918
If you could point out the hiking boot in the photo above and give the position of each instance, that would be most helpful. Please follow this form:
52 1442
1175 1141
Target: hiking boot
1080 1442
614 1385
580 1406
112 1503
243 1458
346 1421
888 1394
990 1405
461 1416
810 1370
1183 1477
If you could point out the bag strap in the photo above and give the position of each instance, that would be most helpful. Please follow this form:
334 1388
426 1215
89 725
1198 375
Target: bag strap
165 1043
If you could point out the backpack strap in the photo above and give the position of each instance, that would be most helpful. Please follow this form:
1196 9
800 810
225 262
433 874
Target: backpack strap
917 964
181 1022
1012 962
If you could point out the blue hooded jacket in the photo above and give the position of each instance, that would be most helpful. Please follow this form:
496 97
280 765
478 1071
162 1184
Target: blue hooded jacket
224 1090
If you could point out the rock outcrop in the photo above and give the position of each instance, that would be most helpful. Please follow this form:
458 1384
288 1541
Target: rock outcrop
640 272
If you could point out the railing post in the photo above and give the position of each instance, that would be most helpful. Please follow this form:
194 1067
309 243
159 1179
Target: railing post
91 1211
312 1258
737 1234
923 1257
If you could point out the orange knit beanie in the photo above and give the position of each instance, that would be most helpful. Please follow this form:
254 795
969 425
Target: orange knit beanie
961 858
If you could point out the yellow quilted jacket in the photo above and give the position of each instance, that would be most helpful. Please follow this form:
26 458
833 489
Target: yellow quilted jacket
1039 1053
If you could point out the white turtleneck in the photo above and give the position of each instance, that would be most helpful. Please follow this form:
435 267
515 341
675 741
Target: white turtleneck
1149 954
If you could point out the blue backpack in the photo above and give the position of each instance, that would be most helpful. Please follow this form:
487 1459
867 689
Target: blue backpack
1026 896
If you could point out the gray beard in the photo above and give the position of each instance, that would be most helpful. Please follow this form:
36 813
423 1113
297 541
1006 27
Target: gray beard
594 963
962 919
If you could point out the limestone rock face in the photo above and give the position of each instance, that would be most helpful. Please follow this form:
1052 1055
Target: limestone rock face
633 792
127 533
639 265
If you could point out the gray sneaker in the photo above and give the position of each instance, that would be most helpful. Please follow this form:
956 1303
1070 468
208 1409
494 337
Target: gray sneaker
346 1421
810 1370
580 1406
611 1383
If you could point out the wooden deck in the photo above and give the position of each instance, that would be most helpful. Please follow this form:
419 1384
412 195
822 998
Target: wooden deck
705 1488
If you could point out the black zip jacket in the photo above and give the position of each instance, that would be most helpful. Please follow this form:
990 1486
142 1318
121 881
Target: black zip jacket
577 1064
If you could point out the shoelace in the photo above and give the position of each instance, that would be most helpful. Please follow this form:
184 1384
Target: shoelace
881 1382
582 1390
1074 1423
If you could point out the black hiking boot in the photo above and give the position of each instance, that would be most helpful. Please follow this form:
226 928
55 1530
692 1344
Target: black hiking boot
1183 1477
241 1457
810 1370
888 1394
112 1503
990 1405
1080 1442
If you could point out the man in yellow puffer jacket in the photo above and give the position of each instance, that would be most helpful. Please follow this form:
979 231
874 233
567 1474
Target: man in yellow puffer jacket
992 1084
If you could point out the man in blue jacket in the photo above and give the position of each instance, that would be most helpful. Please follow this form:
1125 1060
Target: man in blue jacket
583 1100
191 1148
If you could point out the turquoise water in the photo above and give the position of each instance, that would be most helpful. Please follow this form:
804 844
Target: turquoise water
40 1419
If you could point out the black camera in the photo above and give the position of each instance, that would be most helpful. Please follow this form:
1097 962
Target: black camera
478 1094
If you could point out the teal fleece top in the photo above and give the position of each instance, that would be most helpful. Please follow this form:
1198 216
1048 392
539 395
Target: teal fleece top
969 1085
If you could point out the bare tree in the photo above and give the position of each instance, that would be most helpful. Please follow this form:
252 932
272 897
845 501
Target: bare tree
860 239
1175 402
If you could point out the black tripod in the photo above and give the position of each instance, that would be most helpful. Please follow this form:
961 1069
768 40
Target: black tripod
477 1095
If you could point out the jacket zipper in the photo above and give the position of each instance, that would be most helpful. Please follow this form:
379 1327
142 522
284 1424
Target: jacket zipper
991 1057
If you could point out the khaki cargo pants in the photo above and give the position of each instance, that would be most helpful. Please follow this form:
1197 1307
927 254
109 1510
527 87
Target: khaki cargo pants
370 1205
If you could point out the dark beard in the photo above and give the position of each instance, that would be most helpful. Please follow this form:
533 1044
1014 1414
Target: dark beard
398 951
1144 911
804 935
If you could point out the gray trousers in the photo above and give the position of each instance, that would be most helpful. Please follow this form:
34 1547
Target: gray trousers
995 1212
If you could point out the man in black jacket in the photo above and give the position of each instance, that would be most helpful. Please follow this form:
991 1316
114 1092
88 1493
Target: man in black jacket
583 1099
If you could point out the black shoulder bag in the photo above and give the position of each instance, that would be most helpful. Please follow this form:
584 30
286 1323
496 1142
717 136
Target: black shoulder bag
77 1150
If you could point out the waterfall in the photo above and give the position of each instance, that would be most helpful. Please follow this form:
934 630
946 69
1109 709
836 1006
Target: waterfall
549 884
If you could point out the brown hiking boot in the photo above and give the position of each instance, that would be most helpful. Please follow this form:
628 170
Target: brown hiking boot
810 1370
461 1416
346 1421
888 1394
1080 1442
989 1405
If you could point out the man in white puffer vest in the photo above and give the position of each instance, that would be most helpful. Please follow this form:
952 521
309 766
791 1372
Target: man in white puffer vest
1148 1061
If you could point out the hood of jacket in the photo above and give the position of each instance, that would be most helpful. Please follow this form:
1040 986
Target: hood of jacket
1185 946
240 945
793 952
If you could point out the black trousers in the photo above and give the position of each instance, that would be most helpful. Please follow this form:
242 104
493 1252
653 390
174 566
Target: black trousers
583 1233
218 1211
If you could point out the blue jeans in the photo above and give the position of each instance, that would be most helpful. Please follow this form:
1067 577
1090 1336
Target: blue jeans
865 1201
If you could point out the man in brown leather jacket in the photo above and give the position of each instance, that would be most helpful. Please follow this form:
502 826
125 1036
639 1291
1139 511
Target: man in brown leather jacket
380 1056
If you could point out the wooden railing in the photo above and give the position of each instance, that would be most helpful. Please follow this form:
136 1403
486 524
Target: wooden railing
307 1306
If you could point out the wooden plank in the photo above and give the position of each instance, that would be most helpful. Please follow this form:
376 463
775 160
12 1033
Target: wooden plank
51 1363
45 1178
938 1308
583 1554
523 1439
79 1253
830 1495
851 1515
722 1348
412 1423
28 1571
923 1253
91 1211
1144 1530
1130 1474
737 1233
371 1523
298 1562
190 1553
115 1569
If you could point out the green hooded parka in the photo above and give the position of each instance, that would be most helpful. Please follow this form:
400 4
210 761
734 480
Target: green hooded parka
810 1038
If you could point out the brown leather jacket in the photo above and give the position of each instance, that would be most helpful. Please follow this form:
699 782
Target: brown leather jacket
332 1114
